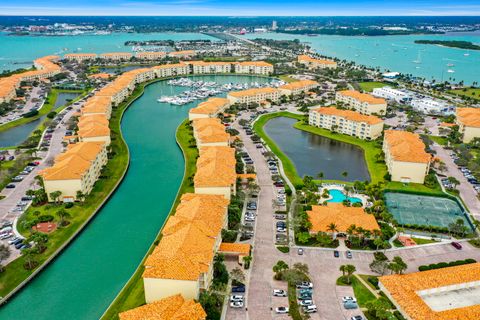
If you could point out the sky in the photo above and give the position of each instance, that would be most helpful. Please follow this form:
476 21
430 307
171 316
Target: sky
242 8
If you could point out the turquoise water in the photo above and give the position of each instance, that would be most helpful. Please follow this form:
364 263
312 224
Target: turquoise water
397 53
20 51
339 196
86 277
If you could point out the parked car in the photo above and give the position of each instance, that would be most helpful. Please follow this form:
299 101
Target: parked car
281 216
236 304
279 293
350 305
300 251
234 298
310 309
336 254
281 310
348 299
457 245
238 289
357 318
348 254
306 302
305 285
10 186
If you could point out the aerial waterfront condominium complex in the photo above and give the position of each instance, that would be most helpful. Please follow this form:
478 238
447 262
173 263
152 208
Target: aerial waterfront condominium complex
298 87
405 156
182 263
443 294
155 55
347 122
80 57
254 67
216 171
94 128
75 170
255 95
182 54
202 67
45 68
312 63
468 120
362 102
169 70
208 109
116 56
210 132
98 105
170 308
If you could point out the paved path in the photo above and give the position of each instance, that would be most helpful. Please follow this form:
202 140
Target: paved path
468 194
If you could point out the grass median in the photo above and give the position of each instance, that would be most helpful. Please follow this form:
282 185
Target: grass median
132 294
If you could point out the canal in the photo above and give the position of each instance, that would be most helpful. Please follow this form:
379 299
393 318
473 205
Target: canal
86 277
17 135
311 153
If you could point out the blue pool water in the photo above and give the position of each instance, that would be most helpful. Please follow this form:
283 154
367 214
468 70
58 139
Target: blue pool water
339 196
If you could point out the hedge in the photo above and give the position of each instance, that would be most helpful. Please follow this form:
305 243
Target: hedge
440 265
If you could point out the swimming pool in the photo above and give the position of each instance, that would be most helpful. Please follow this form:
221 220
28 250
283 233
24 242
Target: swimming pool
339 196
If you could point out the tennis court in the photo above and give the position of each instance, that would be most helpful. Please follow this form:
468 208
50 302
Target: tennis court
423 210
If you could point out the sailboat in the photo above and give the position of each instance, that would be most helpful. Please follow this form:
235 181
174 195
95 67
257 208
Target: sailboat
450 65
450 71
419 58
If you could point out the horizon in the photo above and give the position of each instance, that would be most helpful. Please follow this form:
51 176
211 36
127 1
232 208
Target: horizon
249 8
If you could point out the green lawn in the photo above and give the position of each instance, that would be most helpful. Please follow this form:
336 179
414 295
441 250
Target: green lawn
423 241
414 187
469 92
47 107
440 140
286 78
362 293
369 86
132 294
15 273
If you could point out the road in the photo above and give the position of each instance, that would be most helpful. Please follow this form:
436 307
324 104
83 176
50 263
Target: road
467 193
323 266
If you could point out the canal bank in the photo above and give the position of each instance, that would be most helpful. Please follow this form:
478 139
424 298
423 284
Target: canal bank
102 259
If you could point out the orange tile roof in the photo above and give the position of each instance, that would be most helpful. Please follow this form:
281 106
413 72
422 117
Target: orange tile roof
92 118
93 130
208 63
302 84
242 249
171 65
319 61
210 130
100 76
406 146
171 308
75 55
111 54
150 54
211 106
349 115
469 117
71 168
252 92
183 52
362 97
255 63
86 150
403 289
215 167
343 217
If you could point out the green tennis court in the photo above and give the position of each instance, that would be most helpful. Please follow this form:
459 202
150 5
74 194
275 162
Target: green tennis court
424 210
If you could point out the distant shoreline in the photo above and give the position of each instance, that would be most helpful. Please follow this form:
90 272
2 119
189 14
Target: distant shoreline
465 45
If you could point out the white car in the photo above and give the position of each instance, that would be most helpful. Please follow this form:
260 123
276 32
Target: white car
305 302
281 310
236 304
348 299
305 285
236 298
310 309
279 293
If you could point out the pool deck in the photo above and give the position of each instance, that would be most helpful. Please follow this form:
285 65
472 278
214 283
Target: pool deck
338 187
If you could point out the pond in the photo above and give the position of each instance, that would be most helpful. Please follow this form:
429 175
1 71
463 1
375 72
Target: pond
18 134
311 153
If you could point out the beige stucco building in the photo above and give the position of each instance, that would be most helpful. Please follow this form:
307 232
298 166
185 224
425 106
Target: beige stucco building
169 70
80 57
155 55
312 63
362 102
298 87
202 67
468 120
256 95
347 122
208 109
405 156
77 169
116 56
254 67
210 132
184 54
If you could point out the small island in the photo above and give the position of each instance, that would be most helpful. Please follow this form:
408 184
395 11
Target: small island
452 44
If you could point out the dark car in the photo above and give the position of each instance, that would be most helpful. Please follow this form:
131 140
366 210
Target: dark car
457 245
10 186
336 254
238 289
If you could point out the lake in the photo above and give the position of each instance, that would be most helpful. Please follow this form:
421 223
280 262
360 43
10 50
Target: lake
312 153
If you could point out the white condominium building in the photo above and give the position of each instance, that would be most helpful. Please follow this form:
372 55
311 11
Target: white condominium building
390 93
347 122
169 70
151 55
254 67
256 95
361 102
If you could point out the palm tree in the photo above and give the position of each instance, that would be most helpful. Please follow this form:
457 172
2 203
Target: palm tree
246 261
320 176
55 195
29 255
80 196
332 227
343 269
349 269
63 215
345 174
351 230
4 254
